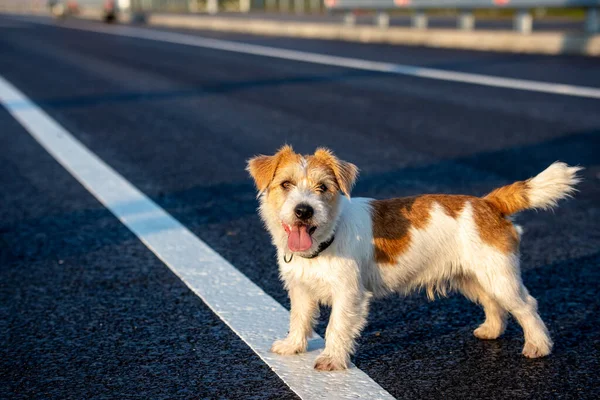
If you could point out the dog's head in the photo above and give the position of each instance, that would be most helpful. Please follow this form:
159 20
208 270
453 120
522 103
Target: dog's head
299 195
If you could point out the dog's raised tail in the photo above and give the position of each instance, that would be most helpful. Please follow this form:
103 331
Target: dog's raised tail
542 191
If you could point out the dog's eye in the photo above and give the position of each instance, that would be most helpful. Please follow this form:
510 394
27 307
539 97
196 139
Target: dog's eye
286 185
321 188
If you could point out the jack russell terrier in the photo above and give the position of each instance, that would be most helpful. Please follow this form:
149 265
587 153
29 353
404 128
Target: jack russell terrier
340 252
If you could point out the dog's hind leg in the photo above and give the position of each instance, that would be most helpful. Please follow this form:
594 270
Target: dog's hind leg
537 339
495 315
503 284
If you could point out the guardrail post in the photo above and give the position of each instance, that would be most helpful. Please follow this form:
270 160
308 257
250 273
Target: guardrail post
382 19
466 20
592 20
315 6
349 19
523 21
299 6
245 6
284 5
193 6
419 20
271 5
212 6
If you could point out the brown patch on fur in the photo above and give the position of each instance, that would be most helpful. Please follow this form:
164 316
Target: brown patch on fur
320 171
393 218
493 228
345 172
262 168
511 198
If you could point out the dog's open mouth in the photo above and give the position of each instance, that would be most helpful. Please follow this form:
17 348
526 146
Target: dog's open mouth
299 236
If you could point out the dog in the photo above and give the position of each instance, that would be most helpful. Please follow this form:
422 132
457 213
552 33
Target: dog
339 251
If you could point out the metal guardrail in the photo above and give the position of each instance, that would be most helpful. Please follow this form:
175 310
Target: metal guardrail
471 4
216 6
523 21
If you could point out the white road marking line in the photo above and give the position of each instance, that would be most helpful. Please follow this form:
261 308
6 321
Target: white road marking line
345 62
252 314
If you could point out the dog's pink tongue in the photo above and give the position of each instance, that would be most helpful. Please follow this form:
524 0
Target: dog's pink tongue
299 239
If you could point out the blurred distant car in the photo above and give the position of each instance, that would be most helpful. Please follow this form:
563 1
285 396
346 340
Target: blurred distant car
107 10
58 8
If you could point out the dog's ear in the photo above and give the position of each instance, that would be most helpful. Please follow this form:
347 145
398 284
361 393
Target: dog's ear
262 168
345 172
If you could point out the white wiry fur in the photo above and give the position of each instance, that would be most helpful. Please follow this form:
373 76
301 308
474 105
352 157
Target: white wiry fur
448 253
553 184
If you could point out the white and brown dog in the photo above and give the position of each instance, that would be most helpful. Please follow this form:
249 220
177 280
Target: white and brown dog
340 252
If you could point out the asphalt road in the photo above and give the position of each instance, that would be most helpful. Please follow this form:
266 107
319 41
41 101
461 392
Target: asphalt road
87 311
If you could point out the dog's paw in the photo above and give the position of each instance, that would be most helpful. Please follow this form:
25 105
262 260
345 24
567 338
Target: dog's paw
486 332
328 363
531 350
287 347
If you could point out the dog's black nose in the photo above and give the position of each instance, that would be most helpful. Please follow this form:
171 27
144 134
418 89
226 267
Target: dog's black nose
304 211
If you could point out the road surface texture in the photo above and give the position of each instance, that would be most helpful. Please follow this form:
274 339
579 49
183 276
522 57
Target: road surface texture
88 312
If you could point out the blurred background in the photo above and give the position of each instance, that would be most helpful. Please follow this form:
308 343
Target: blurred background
463 14
424 96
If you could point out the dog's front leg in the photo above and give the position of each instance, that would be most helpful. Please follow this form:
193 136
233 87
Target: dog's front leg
348 317
302 319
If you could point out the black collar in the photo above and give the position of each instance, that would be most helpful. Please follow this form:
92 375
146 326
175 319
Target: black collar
322 247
